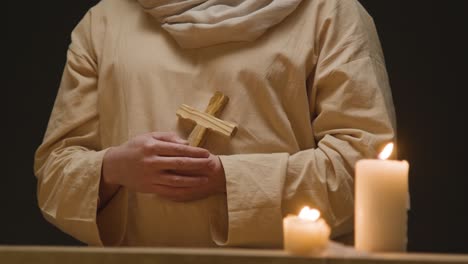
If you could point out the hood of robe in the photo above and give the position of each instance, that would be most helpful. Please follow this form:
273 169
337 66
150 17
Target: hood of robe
202 23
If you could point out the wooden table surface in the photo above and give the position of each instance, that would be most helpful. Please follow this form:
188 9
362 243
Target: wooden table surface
336 254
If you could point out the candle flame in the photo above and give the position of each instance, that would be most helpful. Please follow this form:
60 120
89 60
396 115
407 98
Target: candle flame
386 152
309 214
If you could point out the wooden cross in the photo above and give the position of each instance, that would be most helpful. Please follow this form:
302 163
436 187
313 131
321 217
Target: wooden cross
207 120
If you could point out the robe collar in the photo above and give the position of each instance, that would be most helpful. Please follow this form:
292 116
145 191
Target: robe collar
202 23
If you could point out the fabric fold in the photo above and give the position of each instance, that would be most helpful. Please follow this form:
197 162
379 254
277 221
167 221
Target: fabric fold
202 23
254 198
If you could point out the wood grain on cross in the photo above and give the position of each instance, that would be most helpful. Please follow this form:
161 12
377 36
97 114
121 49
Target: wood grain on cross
207 120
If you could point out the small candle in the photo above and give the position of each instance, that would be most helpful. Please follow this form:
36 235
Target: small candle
382 200
306 234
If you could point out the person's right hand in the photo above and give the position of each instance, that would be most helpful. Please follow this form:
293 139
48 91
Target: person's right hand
149 160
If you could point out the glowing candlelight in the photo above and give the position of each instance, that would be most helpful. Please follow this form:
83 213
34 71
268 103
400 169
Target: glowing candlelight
381 203
310 214
305 234
386 152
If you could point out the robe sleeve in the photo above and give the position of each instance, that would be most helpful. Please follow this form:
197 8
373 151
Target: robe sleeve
68 162
352 118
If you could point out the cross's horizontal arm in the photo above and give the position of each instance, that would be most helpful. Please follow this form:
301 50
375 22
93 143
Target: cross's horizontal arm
206 120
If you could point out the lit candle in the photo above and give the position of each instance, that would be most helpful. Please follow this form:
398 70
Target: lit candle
382 201
306 234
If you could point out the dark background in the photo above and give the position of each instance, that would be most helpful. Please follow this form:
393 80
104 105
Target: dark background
426 60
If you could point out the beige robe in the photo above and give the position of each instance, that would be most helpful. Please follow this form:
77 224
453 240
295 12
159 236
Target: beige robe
311 97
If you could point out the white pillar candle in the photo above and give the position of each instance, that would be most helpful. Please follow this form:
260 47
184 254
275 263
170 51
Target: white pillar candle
382 201
305 234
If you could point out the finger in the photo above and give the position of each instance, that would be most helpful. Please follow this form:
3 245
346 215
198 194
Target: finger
174 180
169 137
178 150
182 163
179 194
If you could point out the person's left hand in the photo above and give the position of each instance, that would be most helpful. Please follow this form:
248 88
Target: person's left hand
216 184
